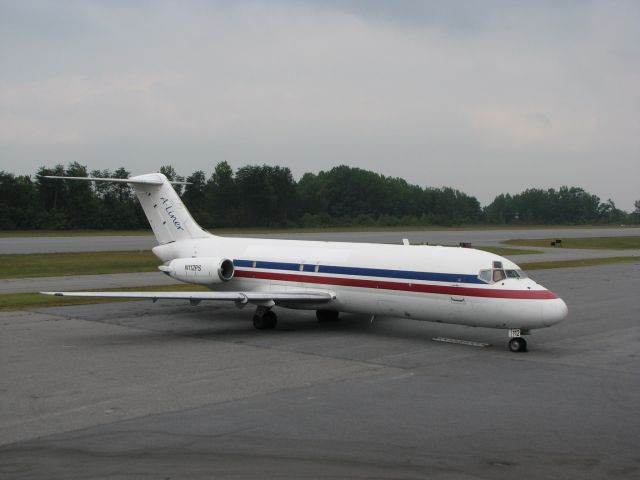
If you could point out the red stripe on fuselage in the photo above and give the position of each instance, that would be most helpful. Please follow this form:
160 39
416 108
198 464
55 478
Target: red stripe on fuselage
400 286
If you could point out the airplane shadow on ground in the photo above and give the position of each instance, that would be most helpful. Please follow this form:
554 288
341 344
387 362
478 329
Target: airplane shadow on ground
162 323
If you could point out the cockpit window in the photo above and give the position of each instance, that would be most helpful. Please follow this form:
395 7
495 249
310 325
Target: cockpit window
498 275
485 275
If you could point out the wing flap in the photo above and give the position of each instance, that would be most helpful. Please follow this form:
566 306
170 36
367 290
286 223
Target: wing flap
238 297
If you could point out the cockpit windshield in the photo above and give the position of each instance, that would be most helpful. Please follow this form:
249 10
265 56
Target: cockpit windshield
485 275
497 274
516 274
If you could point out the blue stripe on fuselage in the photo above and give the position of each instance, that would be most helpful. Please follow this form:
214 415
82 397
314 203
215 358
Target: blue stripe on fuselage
364 272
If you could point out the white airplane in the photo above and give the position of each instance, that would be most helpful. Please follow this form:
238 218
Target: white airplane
453 285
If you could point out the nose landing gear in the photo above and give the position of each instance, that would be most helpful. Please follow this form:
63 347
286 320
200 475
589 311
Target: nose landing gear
516 342
518 345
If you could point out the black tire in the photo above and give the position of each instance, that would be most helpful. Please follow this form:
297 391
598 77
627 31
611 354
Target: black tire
259 322
270 318
327 316
518 344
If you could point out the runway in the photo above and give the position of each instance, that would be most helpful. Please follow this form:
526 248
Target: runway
168 390
437 237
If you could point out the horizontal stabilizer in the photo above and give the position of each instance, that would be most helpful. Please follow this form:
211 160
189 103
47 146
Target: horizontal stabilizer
132 181
168 216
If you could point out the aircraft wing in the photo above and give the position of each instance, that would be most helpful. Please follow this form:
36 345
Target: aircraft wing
240 298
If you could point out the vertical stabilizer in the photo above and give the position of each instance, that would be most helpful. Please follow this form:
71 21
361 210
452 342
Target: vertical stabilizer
169 218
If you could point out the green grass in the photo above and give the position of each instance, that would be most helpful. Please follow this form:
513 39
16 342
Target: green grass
506 251
20 301
71 233
606 243
78 263
502 251
585 262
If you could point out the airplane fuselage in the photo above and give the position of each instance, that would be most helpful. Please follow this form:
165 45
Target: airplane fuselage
432 283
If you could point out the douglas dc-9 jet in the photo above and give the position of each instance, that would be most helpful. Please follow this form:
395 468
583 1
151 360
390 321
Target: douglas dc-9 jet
453 285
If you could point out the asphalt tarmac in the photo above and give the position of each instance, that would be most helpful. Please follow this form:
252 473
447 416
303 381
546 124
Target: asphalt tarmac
166 390
437 237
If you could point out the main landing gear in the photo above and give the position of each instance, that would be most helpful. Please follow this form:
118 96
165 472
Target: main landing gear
516 342
264 319
327 316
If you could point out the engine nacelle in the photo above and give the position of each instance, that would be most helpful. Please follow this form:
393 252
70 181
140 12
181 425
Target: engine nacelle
203 271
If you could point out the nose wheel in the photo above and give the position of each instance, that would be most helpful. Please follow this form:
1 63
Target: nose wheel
518 344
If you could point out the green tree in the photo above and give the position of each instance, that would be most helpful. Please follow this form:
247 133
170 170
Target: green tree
118 206
81 208
195 196
52 198
18 202
221 197
170 172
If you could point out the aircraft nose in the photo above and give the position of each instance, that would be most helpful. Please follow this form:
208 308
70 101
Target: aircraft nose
554 311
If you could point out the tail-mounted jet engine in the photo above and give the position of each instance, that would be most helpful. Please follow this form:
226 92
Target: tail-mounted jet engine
203 271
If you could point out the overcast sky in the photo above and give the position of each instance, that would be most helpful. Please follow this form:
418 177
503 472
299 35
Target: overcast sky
484 96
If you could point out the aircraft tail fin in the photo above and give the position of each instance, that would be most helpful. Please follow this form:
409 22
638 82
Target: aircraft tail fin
169 218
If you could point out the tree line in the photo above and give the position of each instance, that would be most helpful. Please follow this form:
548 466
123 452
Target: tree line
269 196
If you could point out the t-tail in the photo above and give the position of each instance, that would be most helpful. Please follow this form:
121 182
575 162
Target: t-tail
169 218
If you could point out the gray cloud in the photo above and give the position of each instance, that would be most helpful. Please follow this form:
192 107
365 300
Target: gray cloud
487 97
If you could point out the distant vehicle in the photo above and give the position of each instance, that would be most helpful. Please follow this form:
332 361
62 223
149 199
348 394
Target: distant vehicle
453 285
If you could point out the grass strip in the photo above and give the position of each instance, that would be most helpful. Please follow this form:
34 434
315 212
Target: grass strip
508 252
584 262
597 243
73 233
502 251
76 263
20 301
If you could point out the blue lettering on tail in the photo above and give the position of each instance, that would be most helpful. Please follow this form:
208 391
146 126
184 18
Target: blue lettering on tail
168 207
